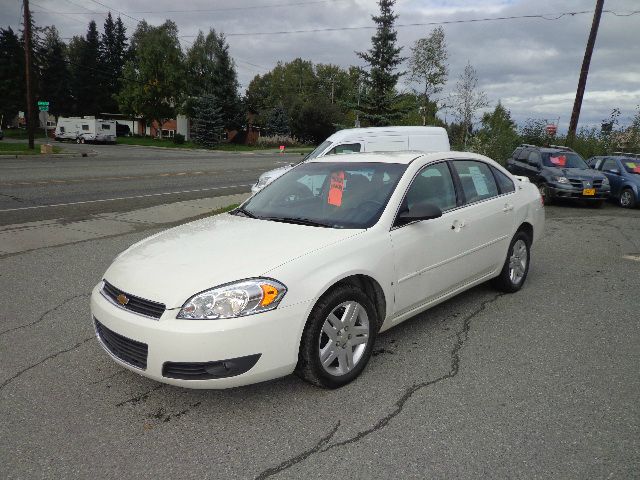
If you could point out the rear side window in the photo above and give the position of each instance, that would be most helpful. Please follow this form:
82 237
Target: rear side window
85 127
61 129
477 180
504 183
523 155
106 126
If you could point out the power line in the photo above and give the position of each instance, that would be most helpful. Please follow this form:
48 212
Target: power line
545 16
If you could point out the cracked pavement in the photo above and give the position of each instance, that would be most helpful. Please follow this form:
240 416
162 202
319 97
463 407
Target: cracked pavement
543 383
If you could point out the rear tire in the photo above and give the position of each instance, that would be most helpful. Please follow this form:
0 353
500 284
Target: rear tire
516 266
338 338
544 193
627 198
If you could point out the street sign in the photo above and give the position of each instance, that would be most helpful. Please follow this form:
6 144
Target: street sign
43 116
43 106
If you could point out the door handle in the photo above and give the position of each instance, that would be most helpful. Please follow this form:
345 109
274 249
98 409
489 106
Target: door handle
507 207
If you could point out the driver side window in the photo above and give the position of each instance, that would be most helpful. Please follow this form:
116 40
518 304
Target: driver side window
535 159
433 185
609 164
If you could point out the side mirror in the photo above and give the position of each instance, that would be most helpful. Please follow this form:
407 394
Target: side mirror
615 171
420 211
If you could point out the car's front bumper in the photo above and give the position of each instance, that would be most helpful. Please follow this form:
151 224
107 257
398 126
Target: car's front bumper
273 335
559 190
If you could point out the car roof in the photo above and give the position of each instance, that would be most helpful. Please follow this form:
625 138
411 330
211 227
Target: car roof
386 131
404 157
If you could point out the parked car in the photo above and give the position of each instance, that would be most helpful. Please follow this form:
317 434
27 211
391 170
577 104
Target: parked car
559 173
304 274
623 173
374 139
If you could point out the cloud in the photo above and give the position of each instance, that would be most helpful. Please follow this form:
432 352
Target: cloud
531 65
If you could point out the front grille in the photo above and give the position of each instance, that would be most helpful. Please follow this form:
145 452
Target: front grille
135 304
129 351
597 183
576 183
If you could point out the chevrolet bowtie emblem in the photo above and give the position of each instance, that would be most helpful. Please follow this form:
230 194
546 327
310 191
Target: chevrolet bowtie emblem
122 299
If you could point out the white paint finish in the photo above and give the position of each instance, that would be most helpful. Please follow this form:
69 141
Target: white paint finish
416 266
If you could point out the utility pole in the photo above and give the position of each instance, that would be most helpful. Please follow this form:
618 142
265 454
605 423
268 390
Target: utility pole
27 64
582 82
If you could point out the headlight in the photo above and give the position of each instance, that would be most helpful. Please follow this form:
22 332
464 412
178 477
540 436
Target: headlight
561 179
234 300
262 181
605 181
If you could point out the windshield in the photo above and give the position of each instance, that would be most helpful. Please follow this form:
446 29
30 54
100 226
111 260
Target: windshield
632 167
336 194
564 160
318 150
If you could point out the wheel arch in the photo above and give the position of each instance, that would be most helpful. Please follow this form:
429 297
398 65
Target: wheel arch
371 288
526 228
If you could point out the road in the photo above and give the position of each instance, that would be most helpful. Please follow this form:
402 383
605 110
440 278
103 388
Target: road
543 383
122 177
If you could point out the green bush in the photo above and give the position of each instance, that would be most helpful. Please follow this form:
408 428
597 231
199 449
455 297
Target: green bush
178 139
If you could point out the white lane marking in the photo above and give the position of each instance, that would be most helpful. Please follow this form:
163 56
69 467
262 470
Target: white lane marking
123 198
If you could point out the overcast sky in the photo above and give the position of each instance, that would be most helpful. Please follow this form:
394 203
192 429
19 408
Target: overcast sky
532 65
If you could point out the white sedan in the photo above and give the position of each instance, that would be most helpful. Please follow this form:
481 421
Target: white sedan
305 274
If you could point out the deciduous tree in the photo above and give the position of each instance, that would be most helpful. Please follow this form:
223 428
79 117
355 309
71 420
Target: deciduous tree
466 100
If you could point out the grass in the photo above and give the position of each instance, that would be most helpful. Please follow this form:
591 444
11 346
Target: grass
225 147
8 148
22 134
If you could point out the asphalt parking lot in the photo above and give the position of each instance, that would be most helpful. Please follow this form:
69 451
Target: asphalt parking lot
540 384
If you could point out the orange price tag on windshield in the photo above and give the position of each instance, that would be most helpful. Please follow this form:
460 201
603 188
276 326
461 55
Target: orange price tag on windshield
560 160
336 188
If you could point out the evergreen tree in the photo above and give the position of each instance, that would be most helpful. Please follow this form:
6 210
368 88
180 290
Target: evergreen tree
12 84
211 70
86 72
55 75
109 74
378 105
207 122
277 122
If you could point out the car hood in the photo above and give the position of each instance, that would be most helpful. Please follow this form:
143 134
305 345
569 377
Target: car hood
576 173
276 172
173 265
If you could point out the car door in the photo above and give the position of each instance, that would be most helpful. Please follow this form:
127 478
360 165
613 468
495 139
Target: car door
613 171
487 218
533 166
427 253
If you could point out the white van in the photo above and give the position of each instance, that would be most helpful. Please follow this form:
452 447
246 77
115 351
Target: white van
85 129
373 139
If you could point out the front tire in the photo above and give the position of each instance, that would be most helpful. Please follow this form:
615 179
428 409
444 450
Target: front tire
338 338
516 266
627 198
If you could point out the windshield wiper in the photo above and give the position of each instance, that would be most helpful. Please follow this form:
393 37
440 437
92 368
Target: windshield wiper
299 221
244 212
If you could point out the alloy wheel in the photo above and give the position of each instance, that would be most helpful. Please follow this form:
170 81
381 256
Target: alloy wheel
344 338
518 262
626 198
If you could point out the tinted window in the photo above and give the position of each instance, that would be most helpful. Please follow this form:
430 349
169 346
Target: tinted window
106 126
504 183
85 127
433 185
524 154
609 164
345 148
477 180
534 158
